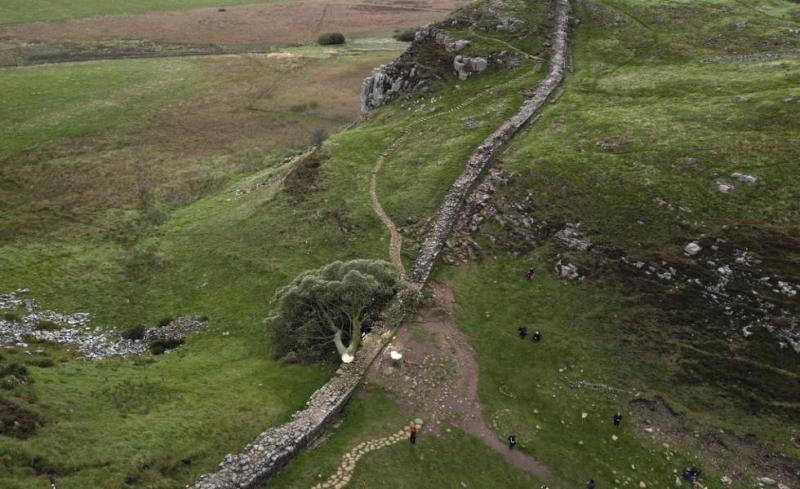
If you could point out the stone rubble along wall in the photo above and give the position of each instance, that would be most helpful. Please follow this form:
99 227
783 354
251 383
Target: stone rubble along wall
454 200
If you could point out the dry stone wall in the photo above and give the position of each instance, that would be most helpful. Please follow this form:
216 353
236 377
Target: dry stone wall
260 460
454 200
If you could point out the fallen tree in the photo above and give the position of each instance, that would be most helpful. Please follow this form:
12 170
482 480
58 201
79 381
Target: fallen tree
332 304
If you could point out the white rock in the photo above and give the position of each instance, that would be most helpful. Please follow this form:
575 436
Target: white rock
692 249
748 179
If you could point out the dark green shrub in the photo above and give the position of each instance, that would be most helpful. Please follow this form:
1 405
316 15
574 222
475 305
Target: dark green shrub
14 374
42 363
318 136
134 333
331 38
157 347
164 321
47 325
406 35
11 316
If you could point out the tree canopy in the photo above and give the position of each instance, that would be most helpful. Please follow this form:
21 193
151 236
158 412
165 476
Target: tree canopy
328 307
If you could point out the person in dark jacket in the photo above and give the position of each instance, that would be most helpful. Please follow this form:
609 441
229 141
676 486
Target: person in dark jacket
536 336
522 331
512 441
617 419
412 434
590 485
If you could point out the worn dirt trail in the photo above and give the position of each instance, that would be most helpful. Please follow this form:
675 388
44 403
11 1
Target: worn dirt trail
438 378
396 239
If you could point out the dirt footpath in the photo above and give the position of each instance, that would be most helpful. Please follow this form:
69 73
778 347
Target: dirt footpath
271 24
437 378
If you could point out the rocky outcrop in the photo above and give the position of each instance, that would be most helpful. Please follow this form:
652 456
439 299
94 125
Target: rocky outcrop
453 203
429 57
464 66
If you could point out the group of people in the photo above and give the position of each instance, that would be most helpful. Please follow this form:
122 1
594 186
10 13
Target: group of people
617 420
536 336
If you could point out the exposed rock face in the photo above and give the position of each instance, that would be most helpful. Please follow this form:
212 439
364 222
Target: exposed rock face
407 73
465 66
94 343
453 203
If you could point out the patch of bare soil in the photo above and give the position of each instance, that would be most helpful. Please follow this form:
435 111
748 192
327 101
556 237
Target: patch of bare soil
271 24
16 421
437 378
733 455
304 178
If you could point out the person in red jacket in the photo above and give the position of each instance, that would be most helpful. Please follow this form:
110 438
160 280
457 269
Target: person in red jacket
413 434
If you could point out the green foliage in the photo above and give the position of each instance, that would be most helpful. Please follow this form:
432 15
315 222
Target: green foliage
11 316
47 325
406 35
331 38
134 333
14 374
158 347
331 302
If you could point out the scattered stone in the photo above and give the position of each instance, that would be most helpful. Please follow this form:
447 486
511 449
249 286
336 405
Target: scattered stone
464 66
511 24
93 343
470 122
570 237
567 270
692 249
748 179
725 188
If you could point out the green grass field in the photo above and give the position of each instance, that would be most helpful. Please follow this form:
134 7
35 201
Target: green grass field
118 195
156 230
643 80
21 12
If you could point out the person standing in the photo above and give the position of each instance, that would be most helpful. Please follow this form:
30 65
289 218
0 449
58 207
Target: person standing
412 434
522 331
617 419
536 336
52 481
512 441
590 485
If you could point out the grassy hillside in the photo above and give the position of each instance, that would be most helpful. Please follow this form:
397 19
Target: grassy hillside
660 110
21 11
170 198
164 200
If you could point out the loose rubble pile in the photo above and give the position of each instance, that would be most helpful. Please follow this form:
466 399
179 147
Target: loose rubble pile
93 343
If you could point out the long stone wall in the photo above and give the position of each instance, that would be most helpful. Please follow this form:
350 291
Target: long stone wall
486 152
260 460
